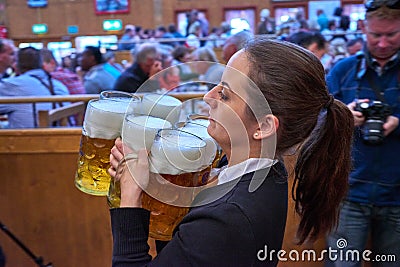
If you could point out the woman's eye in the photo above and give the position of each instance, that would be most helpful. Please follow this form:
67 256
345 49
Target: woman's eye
222 95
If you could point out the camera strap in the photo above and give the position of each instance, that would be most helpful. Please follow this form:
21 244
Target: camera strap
376 87
50 87
363 70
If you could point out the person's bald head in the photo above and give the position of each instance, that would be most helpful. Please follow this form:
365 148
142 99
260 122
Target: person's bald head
235 43
7 54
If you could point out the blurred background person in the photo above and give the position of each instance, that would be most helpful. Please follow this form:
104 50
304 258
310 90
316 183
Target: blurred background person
33 81
7 57
225 30
354 45
208 67
147 62
300 23
111 66
96 78
127 40
162 33
312 41
322 20
182 54
316 43
283 31
66 63
193 39
234 43
213 38
65 76
173 30
267 24
169 78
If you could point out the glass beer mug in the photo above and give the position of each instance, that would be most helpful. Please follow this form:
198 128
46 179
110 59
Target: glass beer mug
137 132
198 124
102 125
176 160
162 106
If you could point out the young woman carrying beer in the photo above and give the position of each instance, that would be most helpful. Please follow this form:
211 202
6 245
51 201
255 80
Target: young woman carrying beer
272 101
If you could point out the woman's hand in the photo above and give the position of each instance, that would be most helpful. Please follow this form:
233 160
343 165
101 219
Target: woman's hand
132 170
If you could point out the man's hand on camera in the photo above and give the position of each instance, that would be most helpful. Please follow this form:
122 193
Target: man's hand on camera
358 116
391 123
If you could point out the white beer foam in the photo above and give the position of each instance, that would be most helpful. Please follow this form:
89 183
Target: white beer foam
139 131
103 118
201 131
162 106
176 154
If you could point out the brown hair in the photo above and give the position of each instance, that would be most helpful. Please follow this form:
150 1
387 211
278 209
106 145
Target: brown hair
4 42
293 82
383 12
179 52
28 58
47 56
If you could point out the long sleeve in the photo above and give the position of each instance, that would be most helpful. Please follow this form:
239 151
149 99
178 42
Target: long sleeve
130 228
227 232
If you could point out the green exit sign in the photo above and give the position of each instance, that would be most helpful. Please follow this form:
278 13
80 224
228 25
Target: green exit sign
39 28
112 25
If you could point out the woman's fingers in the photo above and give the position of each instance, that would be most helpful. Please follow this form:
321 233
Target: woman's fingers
112 172
115 157
140 170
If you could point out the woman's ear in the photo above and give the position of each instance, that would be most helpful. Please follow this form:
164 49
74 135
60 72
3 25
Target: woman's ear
268 126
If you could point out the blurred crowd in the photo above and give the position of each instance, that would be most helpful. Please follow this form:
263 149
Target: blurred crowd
189 59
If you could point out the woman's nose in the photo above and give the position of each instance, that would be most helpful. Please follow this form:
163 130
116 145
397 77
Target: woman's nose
210 97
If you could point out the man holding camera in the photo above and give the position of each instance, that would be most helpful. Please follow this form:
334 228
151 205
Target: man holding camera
368 83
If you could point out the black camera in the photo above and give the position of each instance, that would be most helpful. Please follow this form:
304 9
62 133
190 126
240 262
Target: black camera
375 113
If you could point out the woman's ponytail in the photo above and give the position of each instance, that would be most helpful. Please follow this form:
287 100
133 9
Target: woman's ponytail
320 183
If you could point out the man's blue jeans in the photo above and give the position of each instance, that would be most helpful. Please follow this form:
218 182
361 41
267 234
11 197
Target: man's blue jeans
357 222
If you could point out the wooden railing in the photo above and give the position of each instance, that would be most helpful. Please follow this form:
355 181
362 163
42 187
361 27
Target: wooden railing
43 117
76 98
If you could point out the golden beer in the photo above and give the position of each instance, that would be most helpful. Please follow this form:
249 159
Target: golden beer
164 217
94 160
137 132
102 125
177 160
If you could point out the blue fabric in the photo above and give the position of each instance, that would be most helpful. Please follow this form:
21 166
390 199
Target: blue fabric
21 115
356 221
126 46
112 70
375 178
323 22
2 258
97 79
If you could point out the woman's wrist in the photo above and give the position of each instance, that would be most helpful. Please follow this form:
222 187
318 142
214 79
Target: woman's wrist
131 200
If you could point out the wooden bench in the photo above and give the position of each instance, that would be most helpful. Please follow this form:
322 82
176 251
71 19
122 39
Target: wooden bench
42 206
62 115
